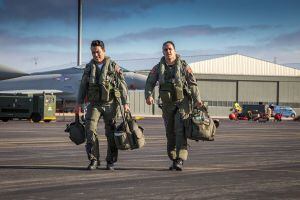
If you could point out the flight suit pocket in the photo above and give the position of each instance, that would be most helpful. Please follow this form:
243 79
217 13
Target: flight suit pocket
166 92
165 96
178 93
105 91
94 93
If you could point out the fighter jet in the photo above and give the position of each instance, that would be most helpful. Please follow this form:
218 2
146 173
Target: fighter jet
7 73
64 82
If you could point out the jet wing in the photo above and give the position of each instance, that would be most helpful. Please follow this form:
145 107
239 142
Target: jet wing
30 91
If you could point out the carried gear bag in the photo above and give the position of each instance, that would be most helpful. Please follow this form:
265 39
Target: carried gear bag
76 131
137 132
200 126
129 135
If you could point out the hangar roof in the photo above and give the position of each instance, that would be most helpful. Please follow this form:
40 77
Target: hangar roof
237 64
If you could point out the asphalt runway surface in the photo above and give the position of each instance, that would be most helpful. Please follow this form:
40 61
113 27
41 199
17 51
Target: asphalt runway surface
247 160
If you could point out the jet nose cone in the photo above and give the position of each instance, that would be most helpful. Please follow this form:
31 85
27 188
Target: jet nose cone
138 82
141 81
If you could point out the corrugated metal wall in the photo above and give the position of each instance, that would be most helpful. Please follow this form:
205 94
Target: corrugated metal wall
221 94
138 104
257 91
289 92
217 90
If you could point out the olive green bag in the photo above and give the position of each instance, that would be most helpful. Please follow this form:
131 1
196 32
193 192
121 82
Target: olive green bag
200 126
129 135
138 139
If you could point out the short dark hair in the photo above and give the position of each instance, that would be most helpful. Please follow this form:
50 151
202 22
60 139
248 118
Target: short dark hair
98 43
168 42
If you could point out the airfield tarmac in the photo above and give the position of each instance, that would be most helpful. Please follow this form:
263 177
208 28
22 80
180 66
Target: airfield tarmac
248 160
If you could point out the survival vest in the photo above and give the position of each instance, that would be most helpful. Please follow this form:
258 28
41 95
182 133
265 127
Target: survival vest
101 84
171 88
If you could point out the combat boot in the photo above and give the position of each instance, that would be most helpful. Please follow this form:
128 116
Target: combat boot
93 165
173 166
179 164
110 166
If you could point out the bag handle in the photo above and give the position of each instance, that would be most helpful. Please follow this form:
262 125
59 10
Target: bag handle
123 114
203 108
77 118
128 115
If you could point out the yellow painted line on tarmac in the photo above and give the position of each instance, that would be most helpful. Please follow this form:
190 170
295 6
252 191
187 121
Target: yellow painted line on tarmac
139 118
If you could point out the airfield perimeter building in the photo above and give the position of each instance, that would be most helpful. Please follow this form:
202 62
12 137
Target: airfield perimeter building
237 78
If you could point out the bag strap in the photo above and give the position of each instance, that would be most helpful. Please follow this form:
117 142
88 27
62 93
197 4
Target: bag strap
123 114
129 116
77 118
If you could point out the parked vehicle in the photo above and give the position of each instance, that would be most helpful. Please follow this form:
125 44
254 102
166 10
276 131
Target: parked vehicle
36 107
286 111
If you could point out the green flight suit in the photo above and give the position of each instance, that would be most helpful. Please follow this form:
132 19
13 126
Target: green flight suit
176 109
111 77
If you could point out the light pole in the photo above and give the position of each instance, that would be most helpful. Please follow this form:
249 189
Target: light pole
79 32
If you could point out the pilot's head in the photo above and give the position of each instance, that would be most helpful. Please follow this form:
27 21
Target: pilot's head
169 52
98 50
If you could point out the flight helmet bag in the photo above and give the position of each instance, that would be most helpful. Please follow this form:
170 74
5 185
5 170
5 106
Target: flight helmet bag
76 131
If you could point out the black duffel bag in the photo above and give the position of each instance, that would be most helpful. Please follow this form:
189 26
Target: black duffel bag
76 131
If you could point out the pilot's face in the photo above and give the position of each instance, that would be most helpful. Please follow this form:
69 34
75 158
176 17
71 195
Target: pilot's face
98 54
169 53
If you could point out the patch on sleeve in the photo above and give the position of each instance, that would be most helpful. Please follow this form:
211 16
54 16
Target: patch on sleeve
153 71
189 69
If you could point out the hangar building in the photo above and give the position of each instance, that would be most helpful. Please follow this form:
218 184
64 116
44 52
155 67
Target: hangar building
238 78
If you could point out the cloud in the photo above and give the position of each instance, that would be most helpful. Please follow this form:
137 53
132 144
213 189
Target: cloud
285 48
36 10
290 40
263 27
10 40
283 41
183 31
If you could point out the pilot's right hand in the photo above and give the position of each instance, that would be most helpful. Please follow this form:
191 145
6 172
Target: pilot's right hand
77 108
199 104
150 100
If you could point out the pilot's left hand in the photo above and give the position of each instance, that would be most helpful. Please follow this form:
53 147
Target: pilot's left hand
77 109
126 107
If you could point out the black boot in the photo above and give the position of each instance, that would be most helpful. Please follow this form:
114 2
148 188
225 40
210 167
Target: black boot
93 165
173 166
179 164
110 166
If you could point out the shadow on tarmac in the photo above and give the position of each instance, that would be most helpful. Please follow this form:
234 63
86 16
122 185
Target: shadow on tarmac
41 167
51 167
